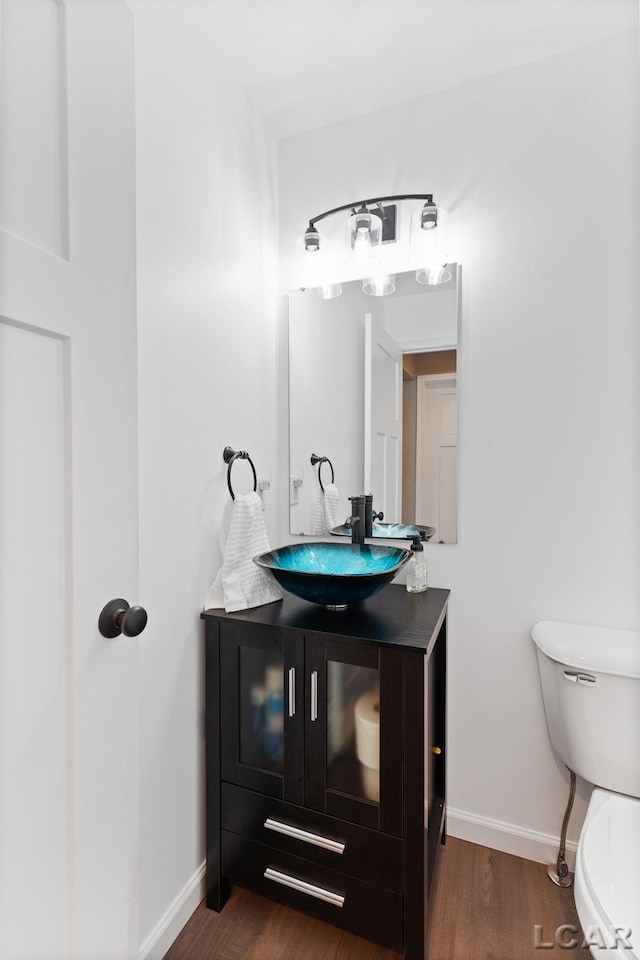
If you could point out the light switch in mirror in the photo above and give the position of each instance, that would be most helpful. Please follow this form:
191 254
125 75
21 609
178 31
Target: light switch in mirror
373 388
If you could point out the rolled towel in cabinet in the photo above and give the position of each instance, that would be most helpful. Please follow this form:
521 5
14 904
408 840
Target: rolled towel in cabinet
367 711
370 783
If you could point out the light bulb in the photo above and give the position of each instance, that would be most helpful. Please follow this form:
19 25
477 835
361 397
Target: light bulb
311 239
428 247
362 244
319 269
364 235
429 216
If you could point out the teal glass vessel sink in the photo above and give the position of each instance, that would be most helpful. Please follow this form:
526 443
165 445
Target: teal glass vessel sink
334 574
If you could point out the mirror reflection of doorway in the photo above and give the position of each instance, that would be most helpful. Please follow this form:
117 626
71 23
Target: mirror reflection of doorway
429 447
345 397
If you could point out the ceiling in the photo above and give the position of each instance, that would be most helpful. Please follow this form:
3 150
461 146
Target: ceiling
309 63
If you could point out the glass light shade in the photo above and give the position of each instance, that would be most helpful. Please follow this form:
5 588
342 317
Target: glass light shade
428 250
327 291
431 276
379 285
318 270
376 282
364 235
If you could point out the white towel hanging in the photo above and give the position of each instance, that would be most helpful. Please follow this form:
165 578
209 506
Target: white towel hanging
319 520
240 584
331 506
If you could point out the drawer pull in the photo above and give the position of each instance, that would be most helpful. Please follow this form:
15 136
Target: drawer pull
334 845
303 887
314 696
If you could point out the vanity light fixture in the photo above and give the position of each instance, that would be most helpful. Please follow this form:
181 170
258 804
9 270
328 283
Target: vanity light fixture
372 223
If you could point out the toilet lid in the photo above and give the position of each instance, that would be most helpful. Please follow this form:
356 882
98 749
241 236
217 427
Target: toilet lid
611 862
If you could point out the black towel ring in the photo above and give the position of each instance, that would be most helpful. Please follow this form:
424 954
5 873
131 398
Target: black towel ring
229 455
320 460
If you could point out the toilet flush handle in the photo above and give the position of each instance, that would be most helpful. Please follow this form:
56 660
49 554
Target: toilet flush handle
585 678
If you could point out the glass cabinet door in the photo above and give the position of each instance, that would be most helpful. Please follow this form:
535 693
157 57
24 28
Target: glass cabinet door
261 708
261 702
354 732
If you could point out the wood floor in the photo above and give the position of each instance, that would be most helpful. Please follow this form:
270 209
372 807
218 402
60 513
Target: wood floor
485 907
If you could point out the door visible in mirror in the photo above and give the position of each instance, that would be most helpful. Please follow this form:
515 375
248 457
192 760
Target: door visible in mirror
373 394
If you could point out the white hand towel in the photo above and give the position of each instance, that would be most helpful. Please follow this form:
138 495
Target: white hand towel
240 584
331 506
319 521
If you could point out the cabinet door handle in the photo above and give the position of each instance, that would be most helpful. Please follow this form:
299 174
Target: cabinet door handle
289 831
302 886
292 691
314 696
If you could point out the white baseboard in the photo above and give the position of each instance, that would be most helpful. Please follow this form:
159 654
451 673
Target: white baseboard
156 944
539 847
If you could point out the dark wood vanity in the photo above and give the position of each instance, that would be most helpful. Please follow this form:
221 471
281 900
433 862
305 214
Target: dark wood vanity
325 759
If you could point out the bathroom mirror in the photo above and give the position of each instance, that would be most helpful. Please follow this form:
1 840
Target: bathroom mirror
373 389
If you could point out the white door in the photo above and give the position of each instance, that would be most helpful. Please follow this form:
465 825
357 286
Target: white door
382 419
436 456
68 481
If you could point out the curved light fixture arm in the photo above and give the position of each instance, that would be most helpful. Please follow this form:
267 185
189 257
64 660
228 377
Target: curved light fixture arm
428 197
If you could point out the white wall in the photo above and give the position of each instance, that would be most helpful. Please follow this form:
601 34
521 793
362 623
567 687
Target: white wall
207 371
538 168
549 400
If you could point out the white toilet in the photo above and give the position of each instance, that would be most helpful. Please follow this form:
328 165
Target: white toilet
591 690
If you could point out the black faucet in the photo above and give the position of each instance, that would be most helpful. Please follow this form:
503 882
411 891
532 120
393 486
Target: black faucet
357 521
361 523
370 515
357 529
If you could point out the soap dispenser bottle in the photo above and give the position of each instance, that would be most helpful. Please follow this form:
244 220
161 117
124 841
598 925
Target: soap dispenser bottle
417 568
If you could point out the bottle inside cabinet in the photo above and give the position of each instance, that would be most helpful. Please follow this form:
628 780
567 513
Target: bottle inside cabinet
261 709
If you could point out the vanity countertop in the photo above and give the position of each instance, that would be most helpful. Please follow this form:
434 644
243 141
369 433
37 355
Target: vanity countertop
391 617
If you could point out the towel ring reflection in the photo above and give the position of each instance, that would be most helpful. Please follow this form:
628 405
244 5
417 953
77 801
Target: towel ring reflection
320 460
229 455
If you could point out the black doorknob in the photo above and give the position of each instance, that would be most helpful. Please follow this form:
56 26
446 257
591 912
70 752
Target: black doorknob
118 617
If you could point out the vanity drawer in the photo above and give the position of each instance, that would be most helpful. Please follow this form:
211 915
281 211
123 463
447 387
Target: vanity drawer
327 841
333 897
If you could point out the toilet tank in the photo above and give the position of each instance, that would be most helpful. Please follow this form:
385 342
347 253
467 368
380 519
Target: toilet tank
590 679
